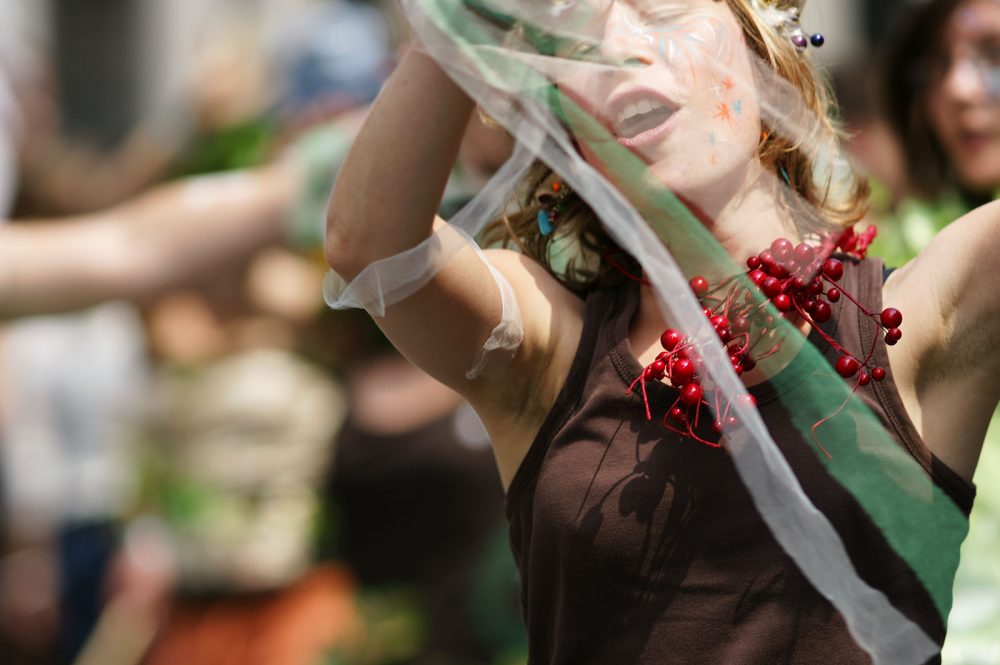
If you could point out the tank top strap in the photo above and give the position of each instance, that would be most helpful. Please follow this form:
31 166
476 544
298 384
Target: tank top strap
864 279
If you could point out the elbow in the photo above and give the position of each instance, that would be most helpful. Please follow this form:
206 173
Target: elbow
343 247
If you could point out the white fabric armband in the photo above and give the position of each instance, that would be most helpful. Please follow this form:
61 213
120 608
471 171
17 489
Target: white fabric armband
393 279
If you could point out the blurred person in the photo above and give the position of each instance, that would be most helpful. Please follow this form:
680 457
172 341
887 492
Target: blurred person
79 157
418 510
134 250
68 390
27 586
168 236
69 384
238 449
184 234
55 409
940 95
161 240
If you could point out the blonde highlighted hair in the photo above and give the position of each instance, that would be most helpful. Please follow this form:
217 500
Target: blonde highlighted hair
594 259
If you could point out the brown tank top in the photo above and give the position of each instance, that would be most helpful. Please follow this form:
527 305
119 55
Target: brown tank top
637 547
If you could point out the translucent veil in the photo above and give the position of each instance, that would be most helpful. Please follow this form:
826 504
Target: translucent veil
549 72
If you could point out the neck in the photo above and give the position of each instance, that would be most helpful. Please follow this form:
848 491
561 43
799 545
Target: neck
745 225
748 221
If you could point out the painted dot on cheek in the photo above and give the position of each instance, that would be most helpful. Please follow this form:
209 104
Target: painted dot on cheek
722 112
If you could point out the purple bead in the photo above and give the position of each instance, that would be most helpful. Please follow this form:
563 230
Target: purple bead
817 40
800 41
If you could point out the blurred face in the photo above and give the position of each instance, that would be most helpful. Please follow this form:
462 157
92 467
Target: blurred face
964 97
672 81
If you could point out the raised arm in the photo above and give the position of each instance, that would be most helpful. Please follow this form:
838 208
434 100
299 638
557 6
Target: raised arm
947 367
385 202
389 188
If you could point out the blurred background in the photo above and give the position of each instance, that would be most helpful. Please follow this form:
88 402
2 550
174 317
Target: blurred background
199 462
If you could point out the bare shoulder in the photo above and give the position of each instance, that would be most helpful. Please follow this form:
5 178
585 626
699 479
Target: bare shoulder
945 367
953 281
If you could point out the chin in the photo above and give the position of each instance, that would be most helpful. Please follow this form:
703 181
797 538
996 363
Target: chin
980 173
981 181
709 192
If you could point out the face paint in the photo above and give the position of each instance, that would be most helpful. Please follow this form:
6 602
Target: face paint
669 40
670 77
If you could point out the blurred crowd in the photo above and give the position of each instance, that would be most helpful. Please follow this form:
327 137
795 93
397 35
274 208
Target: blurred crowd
202 464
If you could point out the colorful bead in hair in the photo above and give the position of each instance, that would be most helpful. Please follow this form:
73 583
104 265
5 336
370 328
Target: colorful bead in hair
550 198
784 17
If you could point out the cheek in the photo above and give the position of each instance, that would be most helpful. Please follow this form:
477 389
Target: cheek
979 169
729 109
940 117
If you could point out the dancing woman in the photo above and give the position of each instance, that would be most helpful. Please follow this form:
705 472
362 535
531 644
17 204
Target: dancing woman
621 444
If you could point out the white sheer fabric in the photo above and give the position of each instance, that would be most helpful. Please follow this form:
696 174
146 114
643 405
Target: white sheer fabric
393 279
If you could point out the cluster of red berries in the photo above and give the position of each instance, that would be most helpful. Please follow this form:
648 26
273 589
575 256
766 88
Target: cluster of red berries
801 285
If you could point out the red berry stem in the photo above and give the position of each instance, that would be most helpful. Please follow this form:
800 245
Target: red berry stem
790 278
849 297
822 333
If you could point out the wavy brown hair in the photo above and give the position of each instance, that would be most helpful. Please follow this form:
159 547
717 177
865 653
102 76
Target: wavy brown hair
597 261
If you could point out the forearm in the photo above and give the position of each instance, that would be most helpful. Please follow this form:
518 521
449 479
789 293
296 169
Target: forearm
390 187
173 234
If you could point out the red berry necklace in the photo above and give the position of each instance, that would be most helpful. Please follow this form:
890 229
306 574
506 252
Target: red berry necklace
802 286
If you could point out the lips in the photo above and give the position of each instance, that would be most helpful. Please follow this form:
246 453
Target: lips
641 117
637 115
974 141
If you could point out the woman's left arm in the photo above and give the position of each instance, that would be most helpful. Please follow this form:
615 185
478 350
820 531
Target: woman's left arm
947 367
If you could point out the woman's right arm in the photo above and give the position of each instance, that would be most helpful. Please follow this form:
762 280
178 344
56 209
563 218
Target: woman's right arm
385 202
388 190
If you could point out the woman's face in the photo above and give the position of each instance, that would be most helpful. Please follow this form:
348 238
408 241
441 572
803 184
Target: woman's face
679 93
964 96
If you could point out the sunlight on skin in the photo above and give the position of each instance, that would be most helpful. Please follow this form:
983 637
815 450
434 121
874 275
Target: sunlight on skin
691 63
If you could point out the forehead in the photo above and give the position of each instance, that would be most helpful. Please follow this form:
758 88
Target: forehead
973 21
652 20
657 9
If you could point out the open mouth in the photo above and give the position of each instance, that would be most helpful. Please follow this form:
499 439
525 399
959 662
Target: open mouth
639 116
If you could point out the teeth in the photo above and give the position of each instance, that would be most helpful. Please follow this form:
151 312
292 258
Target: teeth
631 110
640 116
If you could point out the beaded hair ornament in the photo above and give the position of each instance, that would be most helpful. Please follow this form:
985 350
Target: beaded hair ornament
785 18
782 16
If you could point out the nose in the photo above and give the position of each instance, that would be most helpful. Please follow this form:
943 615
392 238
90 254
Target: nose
963 81
627 38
